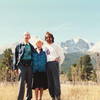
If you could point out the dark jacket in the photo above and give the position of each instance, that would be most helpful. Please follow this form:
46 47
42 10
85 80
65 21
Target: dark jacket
39 61
19 51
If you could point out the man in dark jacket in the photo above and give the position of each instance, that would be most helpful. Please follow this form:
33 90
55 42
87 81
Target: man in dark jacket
22 61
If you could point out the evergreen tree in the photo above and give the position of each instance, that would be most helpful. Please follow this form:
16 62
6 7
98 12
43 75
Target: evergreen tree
6 65
86 68
7 58
83 70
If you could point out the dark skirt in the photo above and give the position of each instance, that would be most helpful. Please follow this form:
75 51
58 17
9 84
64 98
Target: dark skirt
40 80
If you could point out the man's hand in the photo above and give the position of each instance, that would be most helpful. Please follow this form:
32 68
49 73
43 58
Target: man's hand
16 71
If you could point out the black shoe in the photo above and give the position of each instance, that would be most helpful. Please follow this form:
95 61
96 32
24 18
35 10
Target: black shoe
58 98
28 99
53 98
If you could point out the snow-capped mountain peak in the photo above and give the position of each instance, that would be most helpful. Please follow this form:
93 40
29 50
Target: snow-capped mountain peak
76 45
95 48
77 39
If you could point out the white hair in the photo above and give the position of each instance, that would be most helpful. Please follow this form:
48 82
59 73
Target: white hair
26 33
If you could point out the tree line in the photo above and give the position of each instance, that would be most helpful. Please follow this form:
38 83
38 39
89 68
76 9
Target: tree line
6 63
82 70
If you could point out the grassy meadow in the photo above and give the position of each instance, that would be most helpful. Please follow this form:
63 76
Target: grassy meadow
69 92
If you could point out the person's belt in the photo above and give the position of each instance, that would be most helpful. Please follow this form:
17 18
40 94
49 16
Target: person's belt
51 61
26 63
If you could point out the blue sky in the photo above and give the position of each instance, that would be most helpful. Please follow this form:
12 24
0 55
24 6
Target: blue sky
65 18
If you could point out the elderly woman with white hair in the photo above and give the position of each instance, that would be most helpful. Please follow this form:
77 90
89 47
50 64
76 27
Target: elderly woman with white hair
39 61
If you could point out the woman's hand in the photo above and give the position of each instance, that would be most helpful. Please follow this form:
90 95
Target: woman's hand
57 59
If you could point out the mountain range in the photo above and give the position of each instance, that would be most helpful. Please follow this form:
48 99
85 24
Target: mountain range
76 45
69 46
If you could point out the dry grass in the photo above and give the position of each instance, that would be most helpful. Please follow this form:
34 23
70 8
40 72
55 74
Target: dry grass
69 92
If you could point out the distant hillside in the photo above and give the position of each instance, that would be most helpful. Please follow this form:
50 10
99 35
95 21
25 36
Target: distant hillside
1 56
70 59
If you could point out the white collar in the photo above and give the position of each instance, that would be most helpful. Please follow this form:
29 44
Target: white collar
25 43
